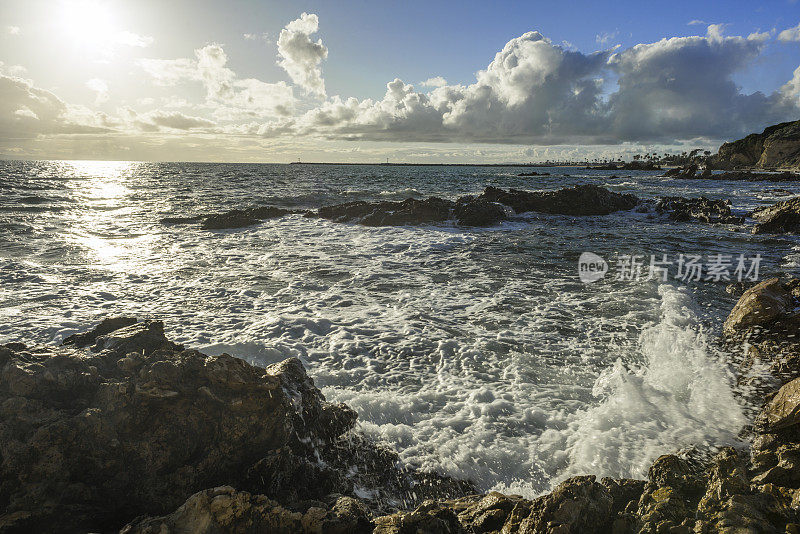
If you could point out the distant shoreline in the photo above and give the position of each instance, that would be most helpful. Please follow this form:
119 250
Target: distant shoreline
447 164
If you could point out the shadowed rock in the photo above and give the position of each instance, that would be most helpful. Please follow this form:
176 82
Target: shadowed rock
781 217
697 209
578 200
105 327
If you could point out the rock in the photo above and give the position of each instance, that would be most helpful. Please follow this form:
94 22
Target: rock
224 509
474 212
105 327
534 173
697 209
760 306
409 211
670 497
91 439
784 408
578 505
182 220
242 218
781 217
578 200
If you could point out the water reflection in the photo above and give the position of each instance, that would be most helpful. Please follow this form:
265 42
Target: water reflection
101 190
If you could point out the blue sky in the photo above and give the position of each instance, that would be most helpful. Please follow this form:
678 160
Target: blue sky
111 98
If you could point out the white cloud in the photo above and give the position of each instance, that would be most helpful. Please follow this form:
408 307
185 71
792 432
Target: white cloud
158 120
100 87
790 35
436 81
256 36
538 92
27 111
696 22
13 30
230 96
605 38
300 56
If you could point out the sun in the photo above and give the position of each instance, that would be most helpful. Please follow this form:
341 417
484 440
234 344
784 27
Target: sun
88 23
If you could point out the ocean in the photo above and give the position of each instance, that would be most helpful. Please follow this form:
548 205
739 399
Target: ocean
475 352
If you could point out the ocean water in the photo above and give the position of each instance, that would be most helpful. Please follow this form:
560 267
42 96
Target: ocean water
474 352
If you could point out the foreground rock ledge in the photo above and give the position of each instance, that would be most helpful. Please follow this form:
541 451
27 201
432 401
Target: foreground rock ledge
120 425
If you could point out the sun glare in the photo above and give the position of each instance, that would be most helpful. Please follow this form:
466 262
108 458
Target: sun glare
88 23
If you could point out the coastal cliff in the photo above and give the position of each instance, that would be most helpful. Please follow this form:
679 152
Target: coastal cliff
777 146
120 428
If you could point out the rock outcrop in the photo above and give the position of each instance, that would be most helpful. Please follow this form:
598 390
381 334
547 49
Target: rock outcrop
91 439
782 217
777 146
579 200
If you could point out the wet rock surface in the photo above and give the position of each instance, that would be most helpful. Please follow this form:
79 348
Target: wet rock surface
237 218
697 210
578 200
782 217
92 438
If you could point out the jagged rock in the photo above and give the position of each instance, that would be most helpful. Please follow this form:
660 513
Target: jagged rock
761 305
105 327
90 440
475 212
224 509
697 209
784 408
781 217
578 200
409 211
670 497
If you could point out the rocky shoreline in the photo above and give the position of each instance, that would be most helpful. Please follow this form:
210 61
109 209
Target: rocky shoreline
120 428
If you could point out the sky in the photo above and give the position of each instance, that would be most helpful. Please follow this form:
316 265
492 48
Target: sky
357 81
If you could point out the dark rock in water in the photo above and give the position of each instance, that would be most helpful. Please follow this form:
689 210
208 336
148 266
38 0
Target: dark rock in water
687 171
409 211
578 200
238 218
242 218
781 217
105 327
697 209
182 220
534 173
470 211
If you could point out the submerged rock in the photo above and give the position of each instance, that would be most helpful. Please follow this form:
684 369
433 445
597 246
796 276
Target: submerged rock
578 200
242 218
781 217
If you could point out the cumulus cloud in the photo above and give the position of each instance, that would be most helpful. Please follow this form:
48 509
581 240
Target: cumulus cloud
539 92
100 87
231 97
696 22
27 111
436 81
300 56
790 34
